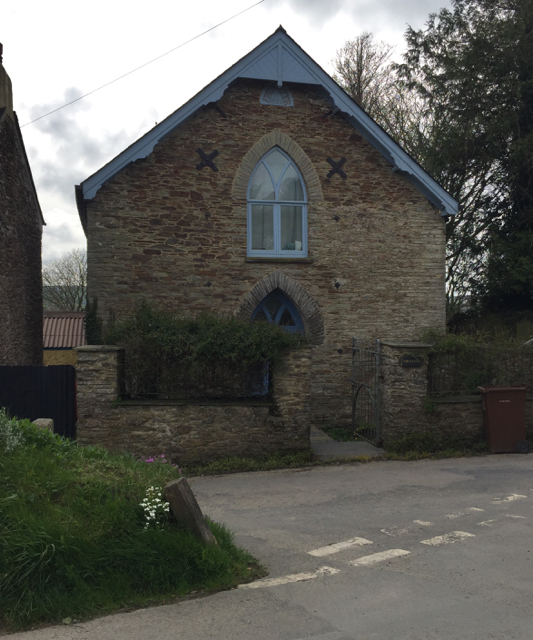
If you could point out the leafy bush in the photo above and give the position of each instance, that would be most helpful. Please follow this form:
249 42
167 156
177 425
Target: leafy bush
73 536
178 356
459 363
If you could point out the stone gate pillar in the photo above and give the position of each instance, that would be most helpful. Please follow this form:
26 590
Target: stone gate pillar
404 381
98 379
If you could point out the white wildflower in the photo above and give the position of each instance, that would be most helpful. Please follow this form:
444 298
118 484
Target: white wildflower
155 509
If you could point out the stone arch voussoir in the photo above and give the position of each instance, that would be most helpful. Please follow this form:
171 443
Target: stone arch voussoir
276 139
306 306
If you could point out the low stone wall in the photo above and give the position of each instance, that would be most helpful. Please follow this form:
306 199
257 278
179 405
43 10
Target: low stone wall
405 406
191 431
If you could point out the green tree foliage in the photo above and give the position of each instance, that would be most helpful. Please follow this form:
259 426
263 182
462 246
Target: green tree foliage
461 104
93 323
473 68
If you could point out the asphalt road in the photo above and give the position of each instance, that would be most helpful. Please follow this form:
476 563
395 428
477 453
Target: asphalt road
404 550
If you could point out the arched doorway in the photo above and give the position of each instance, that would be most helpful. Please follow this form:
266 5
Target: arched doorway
276 308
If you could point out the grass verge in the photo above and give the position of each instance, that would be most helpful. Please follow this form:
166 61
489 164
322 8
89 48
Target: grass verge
236 464
75 542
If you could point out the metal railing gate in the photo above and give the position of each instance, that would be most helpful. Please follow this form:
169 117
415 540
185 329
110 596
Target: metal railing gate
365 390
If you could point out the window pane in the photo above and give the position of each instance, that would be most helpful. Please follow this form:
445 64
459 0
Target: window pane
291 229
260 315
273 305
261 187
276 162
286 319
262 227
291 186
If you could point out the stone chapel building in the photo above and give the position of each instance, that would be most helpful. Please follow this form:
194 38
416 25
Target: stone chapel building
272 194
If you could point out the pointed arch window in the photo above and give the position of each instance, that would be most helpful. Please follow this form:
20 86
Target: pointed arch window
277 208
276 308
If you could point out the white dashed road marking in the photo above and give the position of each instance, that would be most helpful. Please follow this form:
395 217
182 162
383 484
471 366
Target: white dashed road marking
394 531
511 498
464 512
339 546
449 538
486 523
379 557
295 577
423 523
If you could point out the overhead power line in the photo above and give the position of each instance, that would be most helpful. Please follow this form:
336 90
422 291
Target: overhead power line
49 113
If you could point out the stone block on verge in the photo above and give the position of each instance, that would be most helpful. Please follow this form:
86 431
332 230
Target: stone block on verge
45 423
186 510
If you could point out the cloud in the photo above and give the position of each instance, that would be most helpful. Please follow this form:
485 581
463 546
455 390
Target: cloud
64 149
314 11
372 15
392 13
60 237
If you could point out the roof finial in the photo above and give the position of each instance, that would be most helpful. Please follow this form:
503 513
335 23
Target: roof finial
1 51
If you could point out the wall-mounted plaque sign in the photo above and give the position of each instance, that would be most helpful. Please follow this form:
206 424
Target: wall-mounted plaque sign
410 362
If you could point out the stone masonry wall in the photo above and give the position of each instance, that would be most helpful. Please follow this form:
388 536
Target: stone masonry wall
163 230
191 432
21 315
402 390
404 402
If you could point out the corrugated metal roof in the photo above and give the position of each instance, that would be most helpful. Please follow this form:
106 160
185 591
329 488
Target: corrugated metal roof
63 329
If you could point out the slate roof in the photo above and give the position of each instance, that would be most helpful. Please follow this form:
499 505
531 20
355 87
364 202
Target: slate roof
63 329
279 59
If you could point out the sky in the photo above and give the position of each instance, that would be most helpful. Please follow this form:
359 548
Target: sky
59 50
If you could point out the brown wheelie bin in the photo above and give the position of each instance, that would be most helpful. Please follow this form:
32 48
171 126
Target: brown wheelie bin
504 418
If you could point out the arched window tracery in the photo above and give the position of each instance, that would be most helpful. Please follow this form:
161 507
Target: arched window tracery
277 208
276 308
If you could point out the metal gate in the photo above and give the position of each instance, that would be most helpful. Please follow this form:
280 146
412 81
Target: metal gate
41 392
365 390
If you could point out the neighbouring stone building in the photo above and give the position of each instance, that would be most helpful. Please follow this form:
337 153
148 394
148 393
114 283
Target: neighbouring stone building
272 194
21 222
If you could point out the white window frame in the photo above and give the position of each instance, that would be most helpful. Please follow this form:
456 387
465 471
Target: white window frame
277 252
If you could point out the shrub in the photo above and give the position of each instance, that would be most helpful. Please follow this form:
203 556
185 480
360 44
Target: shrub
178 356
459 363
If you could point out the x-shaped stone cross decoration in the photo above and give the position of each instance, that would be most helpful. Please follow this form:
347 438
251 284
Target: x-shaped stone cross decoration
207 160
336 167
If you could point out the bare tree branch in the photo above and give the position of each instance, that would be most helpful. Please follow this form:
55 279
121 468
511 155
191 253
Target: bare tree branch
65 282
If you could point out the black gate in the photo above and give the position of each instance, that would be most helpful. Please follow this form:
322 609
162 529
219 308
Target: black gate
41 392
365 390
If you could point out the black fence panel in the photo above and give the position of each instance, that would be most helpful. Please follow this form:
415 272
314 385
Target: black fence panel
41 392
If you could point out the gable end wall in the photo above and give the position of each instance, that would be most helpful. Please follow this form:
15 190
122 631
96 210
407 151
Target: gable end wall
163 230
